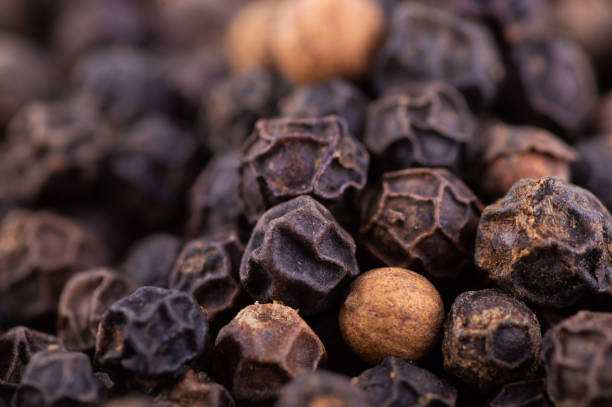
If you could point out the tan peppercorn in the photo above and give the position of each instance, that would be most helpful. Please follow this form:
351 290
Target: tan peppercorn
314 40
391 311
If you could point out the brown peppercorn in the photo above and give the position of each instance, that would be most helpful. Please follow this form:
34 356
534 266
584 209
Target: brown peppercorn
512 153
423 219
196 389
577 354
286 158
391 312
298 254
315 40
262 348
490 339
83 301
595 166
150 259
525 393
425 124
547 242
322 389
39 251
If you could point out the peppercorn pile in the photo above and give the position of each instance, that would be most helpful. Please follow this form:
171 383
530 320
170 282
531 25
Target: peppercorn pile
305 203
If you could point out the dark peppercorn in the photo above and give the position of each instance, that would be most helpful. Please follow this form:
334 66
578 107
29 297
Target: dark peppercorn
576 354
604 115
151 336
322 389
39 251
208 269
285 158
490 339
426 124
397 383
547 242
197 390
85 298
262 348
14 16
150 259
58 379
298 254
512 153
593 169
332 97
428 43
525 393
422 219
136 401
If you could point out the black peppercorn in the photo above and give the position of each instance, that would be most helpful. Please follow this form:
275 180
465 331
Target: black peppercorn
593 169
525 393
150 259
196 390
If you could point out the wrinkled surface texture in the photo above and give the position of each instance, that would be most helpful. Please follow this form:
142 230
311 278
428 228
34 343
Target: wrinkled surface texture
197 390
577 355
285 158
422 125
548 242
298 254
151 334
397 383
262 348
490 339
526 393
424 220
150 260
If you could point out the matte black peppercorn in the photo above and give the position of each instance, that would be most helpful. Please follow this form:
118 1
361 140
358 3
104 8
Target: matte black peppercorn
490 339
196 389
397 383
298 254
525 393
547 242
593 169
136 401
150 260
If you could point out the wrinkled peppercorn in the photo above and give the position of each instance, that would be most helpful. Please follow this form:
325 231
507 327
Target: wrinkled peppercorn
512 153
197 390
208 269
427 43
39 251
595 166
547 242
322 389
262 348
58 379
150 336
526 393
85 298
285 158
576 354
298 254
490 339
391 312
53 147
426 124
397 383
150 260
332 97
422 219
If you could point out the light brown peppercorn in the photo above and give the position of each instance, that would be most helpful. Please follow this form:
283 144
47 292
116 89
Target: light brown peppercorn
314 40
391 311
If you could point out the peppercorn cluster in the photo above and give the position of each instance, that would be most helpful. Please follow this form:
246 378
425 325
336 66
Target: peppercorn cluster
305 203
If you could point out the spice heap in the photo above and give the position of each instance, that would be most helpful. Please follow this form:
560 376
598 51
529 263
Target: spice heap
310 203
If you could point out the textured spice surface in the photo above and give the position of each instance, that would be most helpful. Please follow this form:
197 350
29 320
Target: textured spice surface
196 389
525 393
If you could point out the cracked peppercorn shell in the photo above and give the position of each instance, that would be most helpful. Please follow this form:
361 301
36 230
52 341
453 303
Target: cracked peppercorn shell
463 54
593 169
321 389
84 299
285 158
150 260
512 153
39 251
426 124
576 354
524 393
57 379
305 53
490 339
391 312
208 268
196 389
150 336
332 97
396 382
262 348
298 254
422 219
547 242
